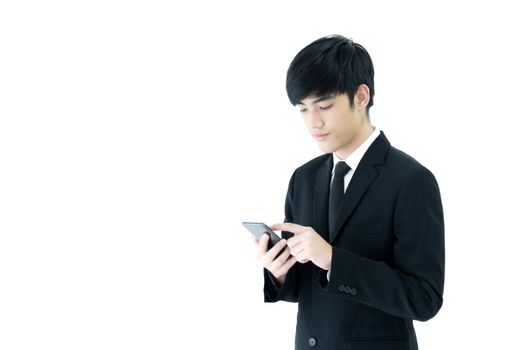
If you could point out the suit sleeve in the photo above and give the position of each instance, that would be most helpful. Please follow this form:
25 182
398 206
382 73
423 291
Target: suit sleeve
289 290
413 287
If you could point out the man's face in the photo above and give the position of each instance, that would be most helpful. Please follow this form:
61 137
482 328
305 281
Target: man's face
334 124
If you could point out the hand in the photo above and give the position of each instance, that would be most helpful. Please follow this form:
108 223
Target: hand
278 266
307 245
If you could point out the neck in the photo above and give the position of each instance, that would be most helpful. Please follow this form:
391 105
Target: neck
365 131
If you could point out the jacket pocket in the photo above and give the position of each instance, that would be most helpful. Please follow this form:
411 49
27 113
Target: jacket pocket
379 343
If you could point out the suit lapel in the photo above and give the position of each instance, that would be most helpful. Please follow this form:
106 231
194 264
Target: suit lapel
364 175
321 198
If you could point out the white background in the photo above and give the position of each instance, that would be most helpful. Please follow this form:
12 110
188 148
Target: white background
136 136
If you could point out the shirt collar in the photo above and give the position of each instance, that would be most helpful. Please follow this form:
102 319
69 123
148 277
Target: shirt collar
354 158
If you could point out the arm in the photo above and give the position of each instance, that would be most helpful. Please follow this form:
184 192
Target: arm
284 287
413 287
274 290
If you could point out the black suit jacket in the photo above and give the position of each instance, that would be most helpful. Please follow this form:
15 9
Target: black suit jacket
388 253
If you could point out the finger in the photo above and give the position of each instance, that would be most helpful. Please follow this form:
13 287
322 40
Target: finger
262 245
293 241
277 263
287 265
288 226
301 258
302 255
272 253
282 258
298 249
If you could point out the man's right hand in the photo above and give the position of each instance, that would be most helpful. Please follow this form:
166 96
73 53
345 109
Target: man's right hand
278 266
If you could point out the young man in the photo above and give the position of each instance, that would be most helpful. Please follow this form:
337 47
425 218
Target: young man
363 247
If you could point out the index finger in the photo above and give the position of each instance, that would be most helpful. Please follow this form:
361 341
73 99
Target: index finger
288 226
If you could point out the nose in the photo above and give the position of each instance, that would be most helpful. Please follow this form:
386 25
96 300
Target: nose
313 119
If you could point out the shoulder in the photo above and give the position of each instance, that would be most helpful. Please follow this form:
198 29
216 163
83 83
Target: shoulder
406 168
402 159
311 168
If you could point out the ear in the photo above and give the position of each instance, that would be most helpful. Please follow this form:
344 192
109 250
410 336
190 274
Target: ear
362 97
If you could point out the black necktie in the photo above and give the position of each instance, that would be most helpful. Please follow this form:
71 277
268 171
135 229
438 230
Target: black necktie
336 194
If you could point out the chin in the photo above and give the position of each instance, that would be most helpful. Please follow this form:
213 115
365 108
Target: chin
326 148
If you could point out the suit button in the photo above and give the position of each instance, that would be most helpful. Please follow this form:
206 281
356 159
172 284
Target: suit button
347 289
312 342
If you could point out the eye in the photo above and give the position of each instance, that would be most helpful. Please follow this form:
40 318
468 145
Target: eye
302 110
327 107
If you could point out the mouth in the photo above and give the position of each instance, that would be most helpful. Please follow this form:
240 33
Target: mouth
320 137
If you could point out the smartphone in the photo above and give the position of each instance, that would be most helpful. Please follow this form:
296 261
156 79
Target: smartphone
258 229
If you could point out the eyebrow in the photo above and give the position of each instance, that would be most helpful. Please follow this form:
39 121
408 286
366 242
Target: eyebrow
320 98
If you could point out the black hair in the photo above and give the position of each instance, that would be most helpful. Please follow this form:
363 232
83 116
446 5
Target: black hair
332 64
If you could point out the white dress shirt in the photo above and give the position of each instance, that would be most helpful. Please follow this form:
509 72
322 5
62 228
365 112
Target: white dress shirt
354 158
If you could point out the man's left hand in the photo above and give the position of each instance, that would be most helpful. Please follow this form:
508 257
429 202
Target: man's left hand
307 245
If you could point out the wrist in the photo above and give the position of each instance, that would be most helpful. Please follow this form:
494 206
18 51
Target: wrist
327 263
281 280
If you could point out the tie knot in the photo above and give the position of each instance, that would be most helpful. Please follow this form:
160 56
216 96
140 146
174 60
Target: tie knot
341 170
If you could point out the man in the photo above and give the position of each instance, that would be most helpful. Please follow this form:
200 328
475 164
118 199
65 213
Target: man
363 247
